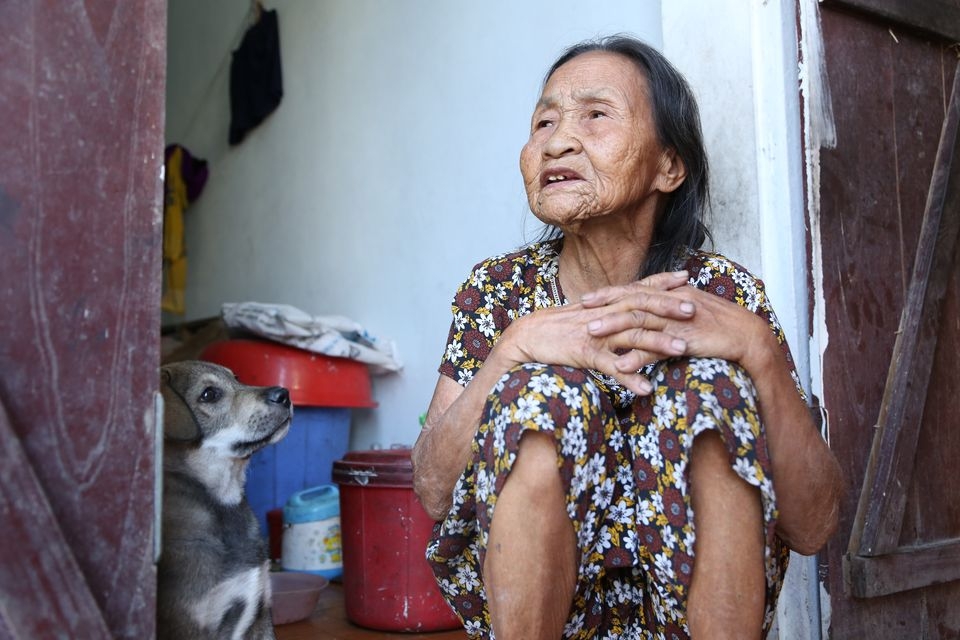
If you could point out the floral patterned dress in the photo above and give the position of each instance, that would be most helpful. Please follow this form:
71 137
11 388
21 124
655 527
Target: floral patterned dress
623 459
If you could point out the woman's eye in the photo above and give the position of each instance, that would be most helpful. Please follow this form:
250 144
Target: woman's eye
542 124
597 114
211 394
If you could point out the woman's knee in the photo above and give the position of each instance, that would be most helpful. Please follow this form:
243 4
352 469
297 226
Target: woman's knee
541 397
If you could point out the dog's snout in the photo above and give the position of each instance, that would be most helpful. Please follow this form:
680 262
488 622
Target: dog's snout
278 395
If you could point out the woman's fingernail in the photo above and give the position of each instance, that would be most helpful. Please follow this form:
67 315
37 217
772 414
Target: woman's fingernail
684 273
645 387
594 325
678 345
687 307
590 295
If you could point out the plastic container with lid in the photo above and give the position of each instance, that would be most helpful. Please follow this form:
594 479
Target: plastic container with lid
387 583
311 532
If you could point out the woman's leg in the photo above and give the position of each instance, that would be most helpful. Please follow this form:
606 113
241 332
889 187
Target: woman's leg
727 592
530 570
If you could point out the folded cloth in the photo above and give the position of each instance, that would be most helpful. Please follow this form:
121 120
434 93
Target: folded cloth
330 335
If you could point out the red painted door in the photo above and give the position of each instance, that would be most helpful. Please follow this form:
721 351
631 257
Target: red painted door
890 214
81 156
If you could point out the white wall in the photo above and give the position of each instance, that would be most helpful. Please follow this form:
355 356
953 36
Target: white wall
389 169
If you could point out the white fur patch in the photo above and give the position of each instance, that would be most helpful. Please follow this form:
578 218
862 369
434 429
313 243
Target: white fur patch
250 587
223 474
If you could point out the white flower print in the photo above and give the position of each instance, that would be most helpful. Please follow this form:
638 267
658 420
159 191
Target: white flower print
516 276
544 421
524 307
625 477
486 325
541 299
468 578
746 470
741 428
455 351
621 512
479 277
545 384
656 500
604 541
645 512
574 625
669 537
603 493
526 408
571 396
701 423
679 475
649 447
704 368
482 489
708 402
574 443
499 439
663 410
663 567
474 628
616 440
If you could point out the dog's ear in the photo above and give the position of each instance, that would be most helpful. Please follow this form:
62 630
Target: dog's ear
179 422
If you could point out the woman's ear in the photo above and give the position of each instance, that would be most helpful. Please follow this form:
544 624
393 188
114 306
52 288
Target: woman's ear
672 171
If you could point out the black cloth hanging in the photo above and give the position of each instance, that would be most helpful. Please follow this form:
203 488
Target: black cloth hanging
256 77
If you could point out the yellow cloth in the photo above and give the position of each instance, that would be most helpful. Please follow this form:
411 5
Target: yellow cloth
174 254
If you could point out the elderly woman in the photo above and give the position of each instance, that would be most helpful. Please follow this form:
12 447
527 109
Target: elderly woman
618 445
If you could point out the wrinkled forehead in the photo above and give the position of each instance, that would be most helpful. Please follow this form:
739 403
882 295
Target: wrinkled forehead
595 75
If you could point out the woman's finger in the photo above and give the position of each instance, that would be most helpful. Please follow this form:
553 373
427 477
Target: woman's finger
666 281
642 310
649 344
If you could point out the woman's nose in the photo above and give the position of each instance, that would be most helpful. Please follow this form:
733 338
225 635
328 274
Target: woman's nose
562 141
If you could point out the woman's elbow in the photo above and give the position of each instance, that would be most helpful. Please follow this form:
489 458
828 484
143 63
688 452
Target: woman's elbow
431 500
434 502
818 527
815 537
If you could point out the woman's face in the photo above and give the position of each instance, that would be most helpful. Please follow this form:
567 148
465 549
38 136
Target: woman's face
593 148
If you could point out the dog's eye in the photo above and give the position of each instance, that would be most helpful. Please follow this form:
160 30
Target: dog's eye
211 394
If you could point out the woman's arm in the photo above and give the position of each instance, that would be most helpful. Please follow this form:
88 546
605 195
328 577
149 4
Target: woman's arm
554 335
443 448
807 476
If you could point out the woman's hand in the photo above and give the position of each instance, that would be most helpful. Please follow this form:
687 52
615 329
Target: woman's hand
563 335
718 329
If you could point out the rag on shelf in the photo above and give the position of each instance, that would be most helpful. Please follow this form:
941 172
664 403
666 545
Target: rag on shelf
330 335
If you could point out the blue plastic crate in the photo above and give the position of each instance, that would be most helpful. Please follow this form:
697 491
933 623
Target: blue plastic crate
318 436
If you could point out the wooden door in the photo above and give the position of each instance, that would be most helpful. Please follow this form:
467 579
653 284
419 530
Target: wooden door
890 213
81 157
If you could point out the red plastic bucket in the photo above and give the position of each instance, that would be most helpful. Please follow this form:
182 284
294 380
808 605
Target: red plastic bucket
387 583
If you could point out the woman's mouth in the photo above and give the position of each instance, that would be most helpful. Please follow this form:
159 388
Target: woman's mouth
558 176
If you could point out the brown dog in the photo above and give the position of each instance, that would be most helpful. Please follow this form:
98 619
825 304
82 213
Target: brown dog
213 575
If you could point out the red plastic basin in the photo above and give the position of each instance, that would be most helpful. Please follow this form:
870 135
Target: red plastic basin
313 379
